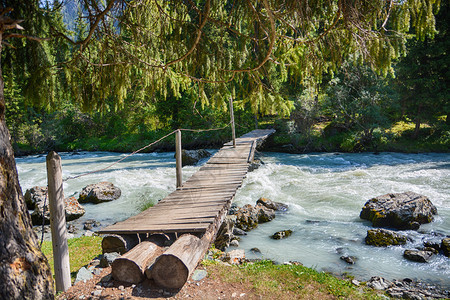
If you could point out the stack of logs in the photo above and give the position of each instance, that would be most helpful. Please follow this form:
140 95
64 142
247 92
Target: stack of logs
144 257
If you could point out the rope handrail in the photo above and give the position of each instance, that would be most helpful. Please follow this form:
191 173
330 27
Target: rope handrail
141 149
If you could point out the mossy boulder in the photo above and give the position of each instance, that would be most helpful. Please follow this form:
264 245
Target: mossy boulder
445 246
400 210
384 238
99 192
246 218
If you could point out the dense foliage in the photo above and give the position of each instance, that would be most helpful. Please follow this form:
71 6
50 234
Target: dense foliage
148 67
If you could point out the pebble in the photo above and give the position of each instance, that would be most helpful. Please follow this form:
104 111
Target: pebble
98 287
133 286
242 295
121 287
97 292
234 295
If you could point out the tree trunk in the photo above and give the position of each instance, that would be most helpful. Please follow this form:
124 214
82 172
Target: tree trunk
24 270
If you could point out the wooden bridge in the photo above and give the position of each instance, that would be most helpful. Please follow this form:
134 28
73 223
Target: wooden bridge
195 209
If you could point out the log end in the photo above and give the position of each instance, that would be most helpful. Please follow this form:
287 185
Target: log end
169 272
126 270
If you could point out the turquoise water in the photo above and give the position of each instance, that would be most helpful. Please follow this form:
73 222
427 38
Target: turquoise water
325 192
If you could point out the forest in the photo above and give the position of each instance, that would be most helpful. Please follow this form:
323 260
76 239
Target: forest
58 98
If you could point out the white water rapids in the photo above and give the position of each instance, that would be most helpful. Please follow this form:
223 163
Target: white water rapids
325 193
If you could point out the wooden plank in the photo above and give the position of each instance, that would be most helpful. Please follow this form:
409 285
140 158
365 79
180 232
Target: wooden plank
173 221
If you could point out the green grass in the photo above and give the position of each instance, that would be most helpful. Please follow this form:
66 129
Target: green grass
288 281
81 251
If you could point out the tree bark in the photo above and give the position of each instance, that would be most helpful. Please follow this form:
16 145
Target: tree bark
24 270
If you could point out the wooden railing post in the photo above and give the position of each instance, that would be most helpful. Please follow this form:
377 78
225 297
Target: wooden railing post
58 222
178 157
233 132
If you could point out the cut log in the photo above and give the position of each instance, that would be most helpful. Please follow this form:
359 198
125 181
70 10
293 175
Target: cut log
172 269
130 267
119 243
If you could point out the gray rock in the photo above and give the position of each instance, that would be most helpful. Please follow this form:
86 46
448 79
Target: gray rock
255 250
278 206
234 243
199 275
83 274
107 259
418 255
71 228
379 283
34 195
73 210
281 234
401 210
349 259
191 157
225 233
99 192
89 224
238 231
235 257
384 238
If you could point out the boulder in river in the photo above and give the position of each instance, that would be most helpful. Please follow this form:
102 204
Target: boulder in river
445 246
400 210
246 218
418 255
281 234
73 211
191 157
278 206
99 192
384 238
264 214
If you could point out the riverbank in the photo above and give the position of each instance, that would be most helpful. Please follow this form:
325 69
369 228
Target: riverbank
323 137
214 279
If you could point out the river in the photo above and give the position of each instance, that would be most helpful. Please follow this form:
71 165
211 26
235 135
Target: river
325 193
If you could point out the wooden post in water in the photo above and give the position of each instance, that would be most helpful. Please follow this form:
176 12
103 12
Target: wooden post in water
233 132
58 222
178 157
